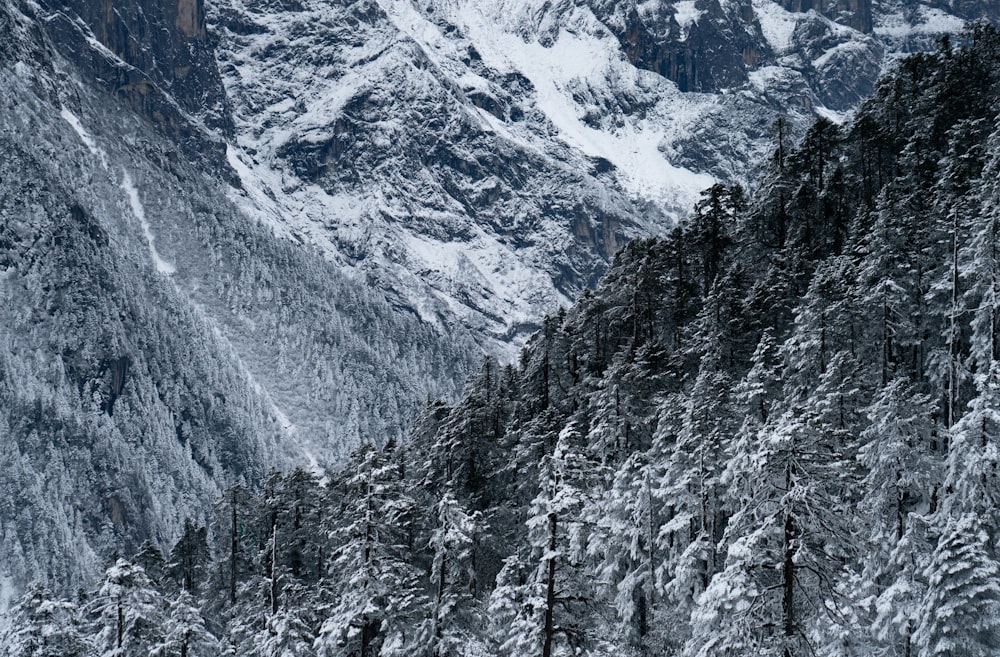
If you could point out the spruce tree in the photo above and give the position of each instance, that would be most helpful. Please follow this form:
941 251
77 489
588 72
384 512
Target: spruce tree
127 611
40 625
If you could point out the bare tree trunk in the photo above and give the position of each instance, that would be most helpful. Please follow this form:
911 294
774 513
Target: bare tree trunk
788 569
274 563
121 624
952 330
234 549
550 590
439 598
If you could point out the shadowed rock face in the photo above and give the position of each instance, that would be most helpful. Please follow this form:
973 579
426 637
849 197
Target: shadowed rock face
191 18
970 10
167 42
856 14
714 52
157 59
708 46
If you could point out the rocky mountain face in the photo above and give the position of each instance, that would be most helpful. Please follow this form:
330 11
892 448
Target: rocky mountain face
156 58
482 161
481 164
244 233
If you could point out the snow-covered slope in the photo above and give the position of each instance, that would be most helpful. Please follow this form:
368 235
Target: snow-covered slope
482 161
156 344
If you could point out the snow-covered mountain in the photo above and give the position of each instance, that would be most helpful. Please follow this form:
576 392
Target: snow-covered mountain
482 160
237 234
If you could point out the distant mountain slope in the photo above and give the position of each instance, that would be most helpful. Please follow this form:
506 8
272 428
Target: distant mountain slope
483 161
774 432
155 343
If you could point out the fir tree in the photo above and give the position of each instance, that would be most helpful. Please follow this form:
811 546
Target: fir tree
40 625
128 612
960 612
377 598
184 631
190 558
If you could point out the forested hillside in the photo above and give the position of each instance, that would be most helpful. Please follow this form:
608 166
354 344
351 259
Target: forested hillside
158 344
775 431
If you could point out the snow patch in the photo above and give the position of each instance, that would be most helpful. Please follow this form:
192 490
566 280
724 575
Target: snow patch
130 190
587 57
23 71
839 50
776 23
253 199
486 269
686 14
840 118
932 21
85 137
8 596
766 77
314 468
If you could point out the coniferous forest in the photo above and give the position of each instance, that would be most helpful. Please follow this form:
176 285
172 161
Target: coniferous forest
774 431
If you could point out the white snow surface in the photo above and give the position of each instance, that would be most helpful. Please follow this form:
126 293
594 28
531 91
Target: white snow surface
776 23
686 14
8 596
840 118
85 137
132 192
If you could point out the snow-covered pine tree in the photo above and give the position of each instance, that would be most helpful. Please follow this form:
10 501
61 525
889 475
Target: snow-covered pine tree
184 631
127 612
377 602
462 452
150 557
454 578
189 560
786 543
541 608
622 524
709 230
692 486
960 611
898 490
40 625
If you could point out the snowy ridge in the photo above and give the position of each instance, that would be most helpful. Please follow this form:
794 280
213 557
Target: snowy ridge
485 278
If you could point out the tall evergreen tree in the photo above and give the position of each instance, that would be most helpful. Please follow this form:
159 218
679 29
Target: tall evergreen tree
127 611
184 631
377 596
40 625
